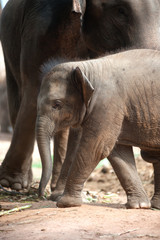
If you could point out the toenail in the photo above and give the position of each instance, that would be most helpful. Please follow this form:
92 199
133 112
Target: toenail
16 186
25 184
4 183
145 205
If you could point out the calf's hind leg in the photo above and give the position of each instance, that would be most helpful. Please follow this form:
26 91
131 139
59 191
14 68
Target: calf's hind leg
123 163
154 158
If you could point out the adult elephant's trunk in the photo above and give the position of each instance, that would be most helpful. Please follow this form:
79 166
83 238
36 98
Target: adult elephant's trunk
44 130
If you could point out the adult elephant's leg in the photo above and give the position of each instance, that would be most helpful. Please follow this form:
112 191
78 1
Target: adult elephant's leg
15 171
123 163
154 158
60 148
9 176
13 93
73 143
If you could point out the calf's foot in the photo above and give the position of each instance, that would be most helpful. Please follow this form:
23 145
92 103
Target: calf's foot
155 202
135 202
14 179
56 195
69 201
58 190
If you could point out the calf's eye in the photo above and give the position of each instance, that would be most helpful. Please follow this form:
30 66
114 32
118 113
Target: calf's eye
122 11
57 105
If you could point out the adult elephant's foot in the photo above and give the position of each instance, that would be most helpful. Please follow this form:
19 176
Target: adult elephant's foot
69 201
135 202
15 180
155 202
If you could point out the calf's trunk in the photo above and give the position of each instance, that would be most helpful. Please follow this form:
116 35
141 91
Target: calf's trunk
44 130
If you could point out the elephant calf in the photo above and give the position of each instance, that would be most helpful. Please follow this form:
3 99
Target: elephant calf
116 101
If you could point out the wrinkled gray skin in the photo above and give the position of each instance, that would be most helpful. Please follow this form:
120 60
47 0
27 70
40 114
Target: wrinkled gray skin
4 116
116 102
33 31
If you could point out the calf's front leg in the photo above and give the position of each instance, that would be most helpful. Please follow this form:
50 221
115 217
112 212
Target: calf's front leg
87 157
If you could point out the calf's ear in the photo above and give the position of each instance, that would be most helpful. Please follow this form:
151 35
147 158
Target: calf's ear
83 85
79 6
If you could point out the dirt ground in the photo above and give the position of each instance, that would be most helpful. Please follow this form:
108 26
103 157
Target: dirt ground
102 216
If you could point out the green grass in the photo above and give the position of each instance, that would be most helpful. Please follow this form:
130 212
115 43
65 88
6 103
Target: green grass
102 163
36 165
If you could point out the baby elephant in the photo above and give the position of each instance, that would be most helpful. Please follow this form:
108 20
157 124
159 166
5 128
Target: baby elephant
116 101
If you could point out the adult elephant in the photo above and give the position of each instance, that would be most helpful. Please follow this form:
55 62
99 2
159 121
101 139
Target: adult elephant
32 32
110 24
35 30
